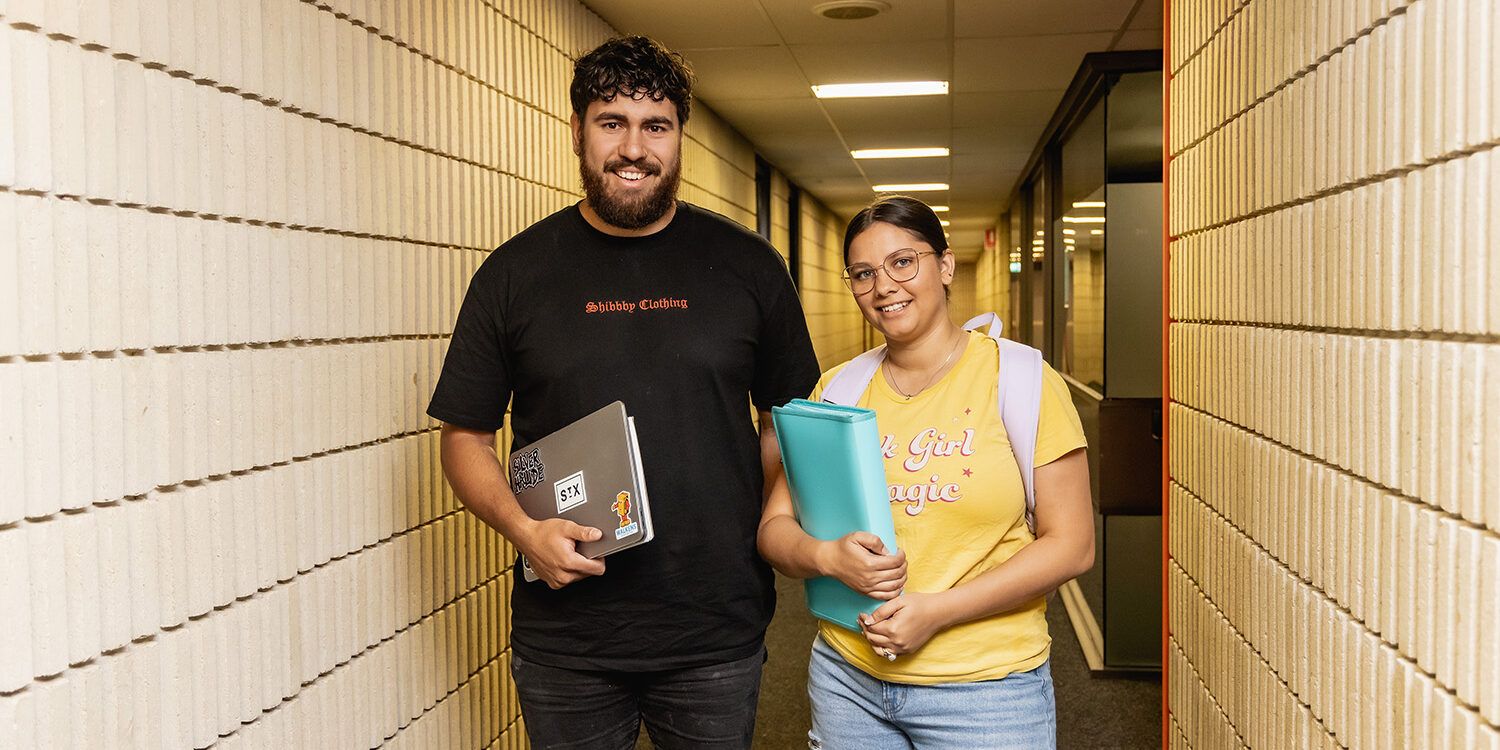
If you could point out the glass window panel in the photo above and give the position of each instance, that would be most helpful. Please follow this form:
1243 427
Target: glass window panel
1035 265
1079 252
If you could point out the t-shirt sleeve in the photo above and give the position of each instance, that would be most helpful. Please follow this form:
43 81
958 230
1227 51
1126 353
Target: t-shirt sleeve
474 387
1058 431
785 366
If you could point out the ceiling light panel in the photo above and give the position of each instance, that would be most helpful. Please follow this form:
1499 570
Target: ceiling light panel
891 88
911 187
898 153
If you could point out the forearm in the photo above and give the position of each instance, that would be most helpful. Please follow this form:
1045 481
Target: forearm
477 478
1036 570
789 549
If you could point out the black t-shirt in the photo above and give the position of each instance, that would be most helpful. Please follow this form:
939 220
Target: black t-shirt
687 327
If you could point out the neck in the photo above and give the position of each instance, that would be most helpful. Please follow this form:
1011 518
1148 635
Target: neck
592 217
926 350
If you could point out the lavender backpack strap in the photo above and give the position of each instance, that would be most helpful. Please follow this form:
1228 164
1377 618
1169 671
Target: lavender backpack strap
1019 393
846 387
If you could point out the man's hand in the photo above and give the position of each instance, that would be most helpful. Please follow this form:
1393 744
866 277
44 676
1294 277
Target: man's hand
859 559
905 624
551 547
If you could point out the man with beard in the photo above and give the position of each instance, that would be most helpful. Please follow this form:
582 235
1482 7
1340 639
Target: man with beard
684 316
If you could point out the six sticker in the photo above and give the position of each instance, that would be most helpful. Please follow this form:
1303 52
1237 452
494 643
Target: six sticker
570 492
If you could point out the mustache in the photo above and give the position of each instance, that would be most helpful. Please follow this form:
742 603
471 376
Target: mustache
639 165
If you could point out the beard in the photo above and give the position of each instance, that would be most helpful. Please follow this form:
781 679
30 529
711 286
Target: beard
630 212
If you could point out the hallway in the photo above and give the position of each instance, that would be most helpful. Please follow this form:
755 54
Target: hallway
1259 240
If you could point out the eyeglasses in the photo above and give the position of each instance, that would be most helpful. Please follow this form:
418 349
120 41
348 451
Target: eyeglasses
899 266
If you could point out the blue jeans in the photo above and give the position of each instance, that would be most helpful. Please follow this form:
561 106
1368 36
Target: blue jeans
703 707
853 711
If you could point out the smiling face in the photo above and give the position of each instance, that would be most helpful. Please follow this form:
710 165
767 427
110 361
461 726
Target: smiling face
629 156
902 310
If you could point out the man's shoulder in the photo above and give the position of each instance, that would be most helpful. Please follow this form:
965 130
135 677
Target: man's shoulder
732 238
542 234
526 246
707 219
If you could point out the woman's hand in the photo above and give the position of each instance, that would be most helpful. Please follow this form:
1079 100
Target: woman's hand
860 560
904 624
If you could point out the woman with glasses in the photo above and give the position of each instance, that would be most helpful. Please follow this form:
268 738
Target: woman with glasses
957 655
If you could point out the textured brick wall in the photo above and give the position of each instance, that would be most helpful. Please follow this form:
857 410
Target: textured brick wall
1087 332
992 281
233 239
833 318
1334 577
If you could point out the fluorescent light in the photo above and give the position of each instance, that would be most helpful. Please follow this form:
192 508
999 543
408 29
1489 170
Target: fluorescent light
1039 233
889 88
944 222
1038 242
1088 204
1083 219
912 187
897 153
938 209
1069 241
1096 232
1070 231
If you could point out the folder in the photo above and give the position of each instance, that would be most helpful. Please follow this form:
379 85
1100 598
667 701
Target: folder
837 478
588 472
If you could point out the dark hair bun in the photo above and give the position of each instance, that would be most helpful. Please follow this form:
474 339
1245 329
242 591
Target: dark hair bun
901 211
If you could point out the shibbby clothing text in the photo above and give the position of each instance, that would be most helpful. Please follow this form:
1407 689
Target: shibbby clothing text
630 306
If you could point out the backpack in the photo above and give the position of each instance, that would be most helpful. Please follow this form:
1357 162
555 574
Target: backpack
1018 387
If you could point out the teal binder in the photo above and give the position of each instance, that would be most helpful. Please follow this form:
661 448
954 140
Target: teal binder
837 478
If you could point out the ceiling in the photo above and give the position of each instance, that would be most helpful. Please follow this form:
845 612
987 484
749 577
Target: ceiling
1007 61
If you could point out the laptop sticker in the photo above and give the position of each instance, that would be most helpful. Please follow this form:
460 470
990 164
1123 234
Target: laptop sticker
526 471
621 507
570 492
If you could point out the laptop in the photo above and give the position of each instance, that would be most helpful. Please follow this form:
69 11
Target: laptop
589 473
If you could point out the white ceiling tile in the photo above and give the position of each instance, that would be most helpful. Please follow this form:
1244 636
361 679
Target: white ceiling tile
1142 39
1005 109
979 141
837 62
906 170
1026 63
891 115
907 20
774 115
746 73
869 135
781 148
1149 16
685 23
981 18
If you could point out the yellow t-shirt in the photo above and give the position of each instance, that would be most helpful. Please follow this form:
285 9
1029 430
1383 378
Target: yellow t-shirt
959 509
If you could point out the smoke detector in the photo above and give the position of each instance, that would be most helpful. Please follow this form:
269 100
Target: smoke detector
851 10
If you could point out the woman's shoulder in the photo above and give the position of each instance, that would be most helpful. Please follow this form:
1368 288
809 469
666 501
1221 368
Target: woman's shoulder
826 378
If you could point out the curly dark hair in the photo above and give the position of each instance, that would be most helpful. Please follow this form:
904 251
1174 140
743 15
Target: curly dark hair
632 65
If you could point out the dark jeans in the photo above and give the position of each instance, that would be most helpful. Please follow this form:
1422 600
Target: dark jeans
703 707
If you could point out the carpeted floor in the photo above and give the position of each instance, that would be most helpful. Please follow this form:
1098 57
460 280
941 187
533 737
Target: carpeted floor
1111 711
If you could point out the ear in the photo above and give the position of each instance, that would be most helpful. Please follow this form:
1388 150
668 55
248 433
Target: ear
576 125
947 265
